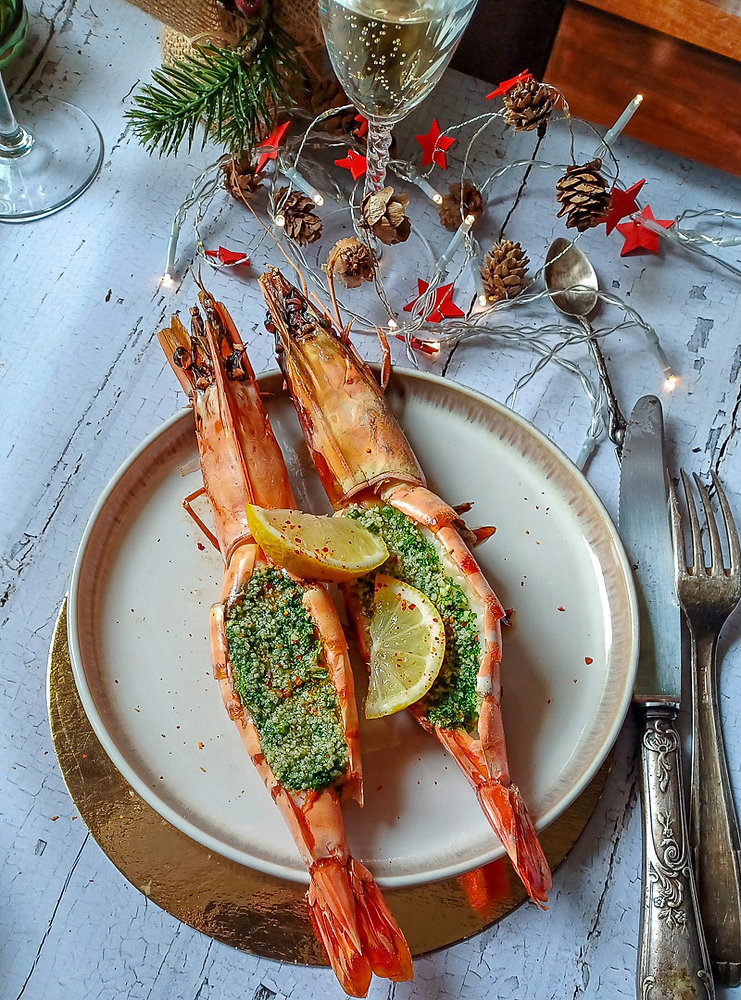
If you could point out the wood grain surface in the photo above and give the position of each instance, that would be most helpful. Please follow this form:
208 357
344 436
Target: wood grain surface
714 25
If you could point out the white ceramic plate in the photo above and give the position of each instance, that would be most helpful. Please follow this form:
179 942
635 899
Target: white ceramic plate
144 580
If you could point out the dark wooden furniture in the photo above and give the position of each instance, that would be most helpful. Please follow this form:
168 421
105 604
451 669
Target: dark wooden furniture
682 55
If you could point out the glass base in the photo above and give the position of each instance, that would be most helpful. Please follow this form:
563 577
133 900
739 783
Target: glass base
63 161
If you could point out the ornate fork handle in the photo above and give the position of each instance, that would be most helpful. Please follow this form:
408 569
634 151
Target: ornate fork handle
714 832
672 957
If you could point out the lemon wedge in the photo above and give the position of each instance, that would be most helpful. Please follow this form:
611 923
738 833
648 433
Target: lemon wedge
317 547
407 647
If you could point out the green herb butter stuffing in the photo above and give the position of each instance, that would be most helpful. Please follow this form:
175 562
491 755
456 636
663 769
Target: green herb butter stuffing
451 703
280 676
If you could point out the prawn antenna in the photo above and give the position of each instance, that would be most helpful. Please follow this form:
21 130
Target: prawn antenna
270 233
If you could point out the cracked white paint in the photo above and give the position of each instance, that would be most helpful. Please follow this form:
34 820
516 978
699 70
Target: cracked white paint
81 384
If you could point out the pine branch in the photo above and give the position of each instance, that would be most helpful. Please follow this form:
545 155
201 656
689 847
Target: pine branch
235 93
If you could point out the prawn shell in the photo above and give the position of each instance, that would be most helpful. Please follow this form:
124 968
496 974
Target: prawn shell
355 440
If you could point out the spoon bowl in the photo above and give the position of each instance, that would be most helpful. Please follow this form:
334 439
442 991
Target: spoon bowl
565 267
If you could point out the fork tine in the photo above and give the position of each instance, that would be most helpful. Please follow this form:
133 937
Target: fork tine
680 565
734 550
716 553
694 525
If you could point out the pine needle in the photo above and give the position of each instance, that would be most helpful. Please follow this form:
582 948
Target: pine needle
235 94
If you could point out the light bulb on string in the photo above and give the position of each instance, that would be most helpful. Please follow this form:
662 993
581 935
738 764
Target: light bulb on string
612 134
458 238
474 265
300 182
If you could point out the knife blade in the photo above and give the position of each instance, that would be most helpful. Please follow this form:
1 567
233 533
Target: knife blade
672 955
646 532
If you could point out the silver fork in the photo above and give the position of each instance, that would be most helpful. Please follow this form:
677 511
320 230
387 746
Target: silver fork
708 595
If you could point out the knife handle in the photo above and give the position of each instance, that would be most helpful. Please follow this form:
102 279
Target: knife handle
714 833
672 957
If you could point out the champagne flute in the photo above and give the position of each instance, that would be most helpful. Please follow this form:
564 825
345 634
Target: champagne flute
388 55
48 156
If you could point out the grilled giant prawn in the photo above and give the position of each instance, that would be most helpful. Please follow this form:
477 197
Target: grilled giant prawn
295 711
369 471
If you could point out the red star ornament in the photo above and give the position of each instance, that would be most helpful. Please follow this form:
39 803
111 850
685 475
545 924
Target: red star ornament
434 145
622 203
362 128
353 162
270 145
442 308
419 345
506 85
228 256
639 239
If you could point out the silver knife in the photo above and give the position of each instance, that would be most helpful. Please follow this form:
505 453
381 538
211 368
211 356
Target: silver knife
673 961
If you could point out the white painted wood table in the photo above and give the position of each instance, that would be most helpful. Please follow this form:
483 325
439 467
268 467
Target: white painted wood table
82 382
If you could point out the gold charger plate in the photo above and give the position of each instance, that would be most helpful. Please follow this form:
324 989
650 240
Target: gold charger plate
247 909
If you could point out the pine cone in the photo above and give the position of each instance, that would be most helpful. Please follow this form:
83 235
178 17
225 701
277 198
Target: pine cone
383 213
504 271
240 177
301 225
351 261
452 212
582 193
529 105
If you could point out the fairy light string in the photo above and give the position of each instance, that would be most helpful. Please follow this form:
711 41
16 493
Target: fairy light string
300 165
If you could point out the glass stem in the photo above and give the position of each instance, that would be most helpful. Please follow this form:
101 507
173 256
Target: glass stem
377 155
14 139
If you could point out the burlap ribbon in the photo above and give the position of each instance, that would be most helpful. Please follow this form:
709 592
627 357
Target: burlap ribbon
187 20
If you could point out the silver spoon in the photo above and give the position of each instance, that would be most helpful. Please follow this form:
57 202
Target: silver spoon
565 267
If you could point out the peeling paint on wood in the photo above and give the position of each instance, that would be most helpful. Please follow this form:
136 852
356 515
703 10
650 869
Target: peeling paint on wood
82 385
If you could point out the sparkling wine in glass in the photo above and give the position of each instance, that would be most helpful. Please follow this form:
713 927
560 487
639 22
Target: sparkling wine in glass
388 55
49 155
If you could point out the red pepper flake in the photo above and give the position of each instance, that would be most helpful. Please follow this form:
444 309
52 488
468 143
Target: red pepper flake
549 701
201 745
54 818
574 679
559 608
588 660
201 546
